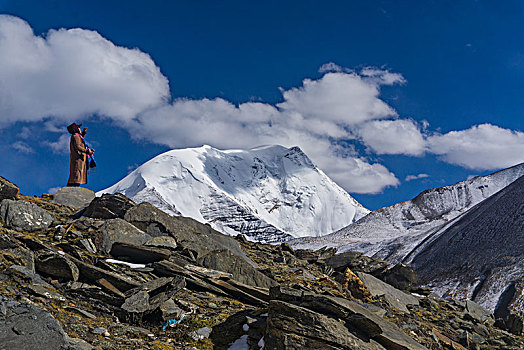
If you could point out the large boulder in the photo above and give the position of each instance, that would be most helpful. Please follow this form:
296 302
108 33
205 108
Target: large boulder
75 197
210 248
395 297
224 260
109 206
357 262
314 331
189 233
24 326
400 276
118 230
357 319
24 216
8 190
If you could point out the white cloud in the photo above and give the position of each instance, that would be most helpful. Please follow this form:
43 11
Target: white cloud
22 147
343 98
331 67
382 77
24 133
482 146
415 177
60 146
69 74
401 136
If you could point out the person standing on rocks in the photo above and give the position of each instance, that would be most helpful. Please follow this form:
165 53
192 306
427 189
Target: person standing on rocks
79 156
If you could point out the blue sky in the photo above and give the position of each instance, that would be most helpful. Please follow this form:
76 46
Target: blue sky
426 89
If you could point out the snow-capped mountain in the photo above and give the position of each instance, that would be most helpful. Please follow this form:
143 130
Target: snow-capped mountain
481 256
398 232
269 193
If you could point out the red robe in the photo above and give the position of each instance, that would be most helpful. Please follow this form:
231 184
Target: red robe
78 161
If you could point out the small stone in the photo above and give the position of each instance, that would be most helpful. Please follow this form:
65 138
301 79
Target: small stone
99 330
205 332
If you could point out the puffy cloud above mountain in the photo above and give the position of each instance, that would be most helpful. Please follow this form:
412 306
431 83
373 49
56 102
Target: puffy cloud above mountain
401 136
72 73
482 146
344 98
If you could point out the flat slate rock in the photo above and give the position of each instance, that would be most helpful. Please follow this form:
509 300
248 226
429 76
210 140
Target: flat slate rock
478 313
94 274
24 326
162 242
24 216
8 190
25 273
118 230
57 266
139 254
75 197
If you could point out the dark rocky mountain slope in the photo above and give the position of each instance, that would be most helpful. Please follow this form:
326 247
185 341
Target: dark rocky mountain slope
481 255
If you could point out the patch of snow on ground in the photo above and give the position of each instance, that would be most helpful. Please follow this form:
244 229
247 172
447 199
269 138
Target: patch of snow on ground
239 344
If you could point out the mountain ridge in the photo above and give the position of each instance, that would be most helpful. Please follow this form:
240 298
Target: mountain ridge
393 232
269 193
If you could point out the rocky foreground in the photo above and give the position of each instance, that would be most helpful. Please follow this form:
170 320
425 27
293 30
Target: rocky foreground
79 272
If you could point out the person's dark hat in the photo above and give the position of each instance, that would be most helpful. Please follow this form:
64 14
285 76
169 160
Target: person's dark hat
73 127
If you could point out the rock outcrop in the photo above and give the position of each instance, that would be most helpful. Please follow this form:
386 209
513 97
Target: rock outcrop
24 216
74 197
8 190
27 327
